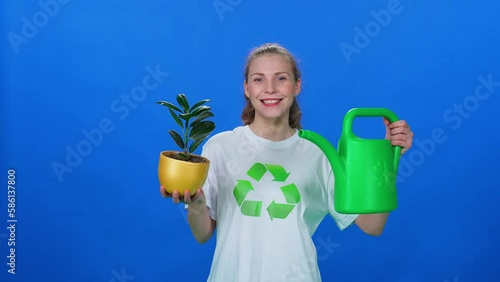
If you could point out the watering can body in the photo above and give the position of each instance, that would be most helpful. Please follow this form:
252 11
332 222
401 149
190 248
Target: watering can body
365 169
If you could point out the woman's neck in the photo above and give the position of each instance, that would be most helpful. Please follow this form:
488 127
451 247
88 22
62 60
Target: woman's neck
272 131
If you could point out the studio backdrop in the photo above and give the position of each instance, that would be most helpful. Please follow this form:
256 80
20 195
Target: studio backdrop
81 133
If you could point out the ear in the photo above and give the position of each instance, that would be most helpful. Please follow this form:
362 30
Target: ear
245 89
297 86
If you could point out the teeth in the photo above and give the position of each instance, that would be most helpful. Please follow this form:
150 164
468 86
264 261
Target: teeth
270 101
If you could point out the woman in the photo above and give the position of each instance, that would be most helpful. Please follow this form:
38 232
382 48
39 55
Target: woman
268 189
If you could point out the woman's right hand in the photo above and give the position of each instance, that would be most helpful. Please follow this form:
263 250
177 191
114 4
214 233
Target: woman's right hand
198 199
202 225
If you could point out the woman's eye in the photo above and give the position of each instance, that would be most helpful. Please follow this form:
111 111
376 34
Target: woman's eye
281 78
257 79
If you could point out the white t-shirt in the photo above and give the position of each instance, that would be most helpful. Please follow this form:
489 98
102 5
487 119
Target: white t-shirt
268 198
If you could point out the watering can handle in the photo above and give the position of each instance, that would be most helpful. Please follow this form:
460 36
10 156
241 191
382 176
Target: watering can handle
371 112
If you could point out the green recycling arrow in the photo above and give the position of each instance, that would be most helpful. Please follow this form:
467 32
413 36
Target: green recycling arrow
275 210
241 190
292 197
278 172
250 208
291 193
257 171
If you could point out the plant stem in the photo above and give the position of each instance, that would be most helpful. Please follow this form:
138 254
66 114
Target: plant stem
186 135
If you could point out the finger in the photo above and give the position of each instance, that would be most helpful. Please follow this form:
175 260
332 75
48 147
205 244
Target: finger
399 123
399 130
175 197
198 195
399 136
403 144
386 121
405 148
187 197
164 193
200 192
387 124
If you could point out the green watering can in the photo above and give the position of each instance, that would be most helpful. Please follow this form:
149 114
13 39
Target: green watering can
364 169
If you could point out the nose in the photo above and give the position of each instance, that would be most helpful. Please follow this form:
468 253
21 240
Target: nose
270 87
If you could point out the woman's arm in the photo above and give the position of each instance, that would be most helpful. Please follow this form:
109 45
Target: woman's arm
202 225
372 224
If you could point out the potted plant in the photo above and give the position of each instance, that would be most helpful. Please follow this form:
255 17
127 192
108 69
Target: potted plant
184 170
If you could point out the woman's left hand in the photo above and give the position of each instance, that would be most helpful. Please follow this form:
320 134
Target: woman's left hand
399 134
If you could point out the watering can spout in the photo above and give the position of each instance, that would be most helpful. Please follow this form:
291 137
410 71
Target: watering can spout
337 163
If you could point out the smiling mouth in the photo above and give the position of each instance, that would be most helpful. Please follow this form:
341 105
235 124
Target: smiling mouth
271 102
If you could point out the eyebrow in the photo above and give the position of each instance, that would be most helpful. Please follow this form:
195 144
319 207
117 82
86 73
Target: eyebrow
277 73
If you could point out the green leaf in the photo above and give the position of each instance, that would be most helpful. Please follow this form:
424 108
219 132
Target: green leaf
200 110
169 105
182 100
185 116
176 118
201 130
184 156
202 116
195 145
177 138
199 104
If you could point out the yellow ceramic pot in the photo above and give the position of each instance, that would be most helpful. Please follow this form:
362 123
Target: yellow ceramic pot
181 175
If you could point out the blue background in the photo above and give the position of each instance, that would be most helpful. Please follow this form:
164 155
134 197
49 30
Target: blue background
104 219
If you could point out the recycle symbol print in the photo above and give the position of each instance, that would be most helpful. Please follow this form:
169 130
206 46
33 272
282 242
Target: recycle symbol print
275 210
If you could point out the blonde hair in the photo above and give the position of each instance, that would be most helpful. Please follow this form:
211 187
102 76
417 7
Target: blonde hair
248 113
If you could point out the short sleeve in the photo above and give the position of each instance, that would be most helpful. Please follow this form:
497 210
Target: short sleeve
342 220
210 188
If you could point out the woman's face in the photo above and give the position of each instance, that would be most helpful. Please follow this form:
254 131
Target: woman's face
271 88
